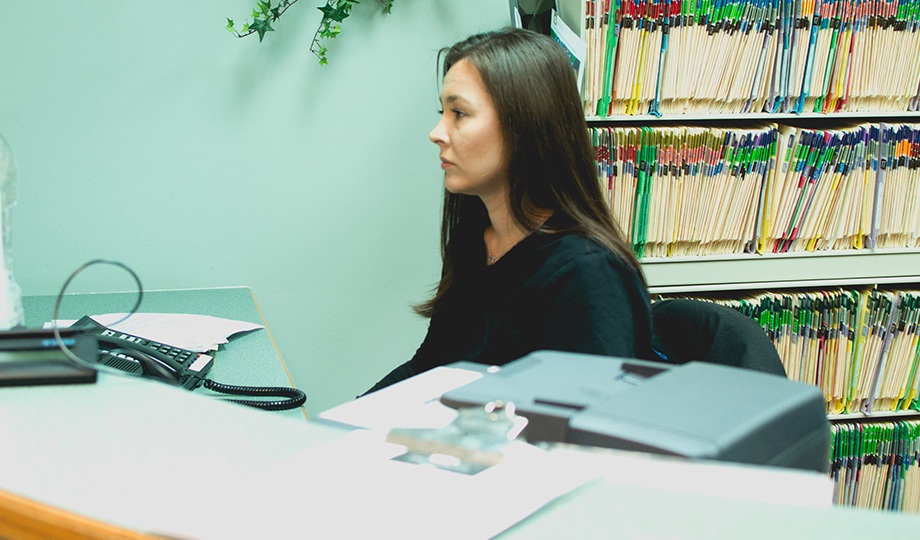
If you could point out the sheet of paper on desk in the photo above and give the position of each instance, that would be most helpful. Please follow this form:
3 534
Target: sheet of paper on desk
353 488
199 333
737 481
412 403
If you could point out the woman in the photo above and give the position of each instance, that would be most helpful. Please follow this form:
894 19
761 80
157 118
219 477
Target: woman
531 256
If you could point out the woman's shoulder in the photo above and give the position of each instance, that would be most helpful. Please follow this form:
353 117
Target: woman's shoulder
563 238
572 251
574 244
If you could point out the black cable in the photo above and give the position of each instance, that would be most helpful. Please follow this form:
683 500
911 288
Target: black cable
56 330
295 397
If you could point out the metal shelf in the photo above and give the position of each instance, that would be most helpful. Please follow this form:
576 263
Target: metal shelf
748 117
876 415
782 271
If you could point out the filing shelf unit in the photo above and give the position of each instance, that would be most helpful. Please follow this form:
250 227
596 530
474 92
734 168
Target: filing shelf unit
718 275
778 71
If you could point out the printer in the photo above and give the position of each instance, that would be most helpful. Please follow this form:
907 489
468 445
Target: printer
694 410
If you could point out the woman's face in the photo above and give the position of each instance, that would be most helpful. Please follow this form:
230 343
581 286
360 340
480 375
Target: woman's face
469 135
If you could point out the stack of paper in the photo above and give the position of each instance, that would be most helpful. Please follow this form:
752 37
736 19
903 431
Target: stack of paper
690 191
676 57
822 193
877 465
896 221
685 190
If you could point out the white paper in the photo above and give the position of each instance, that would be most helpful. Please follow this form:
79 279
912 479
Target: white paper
406 500
412 403
707 478
198 333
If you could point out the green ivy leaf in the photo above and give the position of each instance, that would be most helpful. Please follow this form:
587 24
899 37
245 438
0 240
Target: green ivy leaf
230 25
327 10
337 12
261 26
344 10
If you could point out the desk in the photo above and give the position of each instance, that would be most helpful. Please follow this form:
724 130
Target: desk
609 510
145 456
128 455
250 359
121 450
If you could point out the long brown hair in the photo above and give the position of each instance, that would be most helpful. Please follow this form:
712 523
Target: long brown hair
551 161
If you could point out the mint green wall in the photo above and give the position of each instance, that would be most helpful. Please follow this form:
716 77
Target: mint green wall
146 133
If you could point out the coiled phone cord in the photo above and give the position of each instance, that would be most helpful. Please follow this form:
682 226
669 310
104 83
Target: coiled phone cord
295 397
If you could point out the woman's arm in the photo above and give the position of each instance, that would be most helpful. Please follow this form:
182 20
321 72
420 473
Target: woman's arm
403 371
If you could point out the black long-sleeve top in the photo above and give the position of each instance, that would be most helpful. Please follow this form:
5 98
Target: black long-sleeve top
552 291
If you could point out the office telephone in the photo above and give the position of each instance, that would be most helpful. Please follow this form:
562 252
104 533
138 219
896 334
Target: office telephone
148 358
145 357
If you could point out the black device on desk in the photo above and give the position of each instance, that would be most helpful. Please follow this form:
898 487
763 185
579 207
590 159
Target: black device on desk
694 410
31 356
145 357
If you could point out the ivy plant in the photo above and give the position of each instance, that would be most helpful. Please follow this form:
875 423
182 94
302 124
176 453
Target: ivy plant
334 12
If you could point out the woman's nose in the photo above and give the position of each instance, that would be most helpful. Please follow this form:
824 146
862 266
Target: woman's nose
438 135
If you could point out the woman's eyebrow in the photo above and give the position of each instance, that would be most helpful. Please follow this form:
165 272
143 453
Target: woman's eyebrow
454 98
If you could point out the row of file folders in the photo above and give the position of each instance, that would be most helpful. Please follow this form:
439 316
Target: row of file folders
676 57
877 465
860 347
692 190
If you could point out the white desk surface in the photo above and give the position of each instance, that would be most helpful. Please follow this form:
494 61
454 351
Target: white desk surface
148 457
153 458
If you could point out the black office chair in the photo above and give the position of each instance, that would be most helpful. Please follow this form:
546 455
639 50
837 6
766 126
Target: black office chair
688 330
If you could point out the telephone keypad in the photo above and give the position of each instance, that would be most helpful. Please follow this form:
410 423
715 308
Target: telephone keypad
184 360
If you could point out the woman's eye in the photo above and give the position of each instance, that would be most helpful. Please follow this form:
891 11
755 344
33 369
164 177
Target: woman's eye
456 112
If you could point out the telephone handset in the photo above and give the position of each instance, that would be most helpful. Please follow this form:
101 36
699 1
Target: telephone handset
148 358
145 357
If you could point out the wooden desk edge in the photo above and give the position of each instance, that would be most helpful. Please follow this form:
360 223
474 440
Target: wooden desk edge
25 519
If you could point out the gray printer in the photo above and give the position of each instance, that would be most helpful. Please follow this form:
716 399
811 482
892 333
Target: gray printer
695 410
